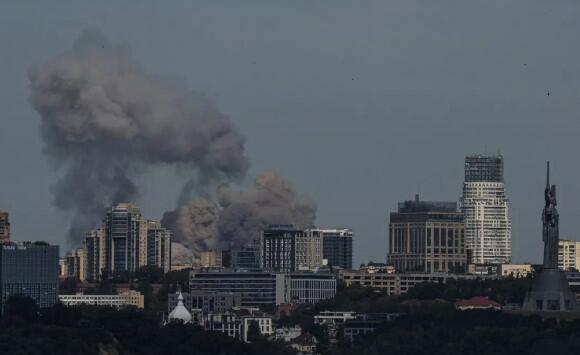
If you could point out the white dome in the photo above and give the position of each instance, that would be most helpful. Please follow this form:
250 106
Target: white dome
180 312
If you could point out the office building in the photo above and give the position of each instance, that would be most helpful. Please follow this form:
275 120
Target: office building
285 249
427 237
310 287
337 247
4 226
486 209
129 298
266 288
29 269
569 255
124 242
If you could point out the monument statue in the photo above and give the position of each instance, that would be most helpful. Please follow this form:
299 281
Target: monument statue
550 290
550 221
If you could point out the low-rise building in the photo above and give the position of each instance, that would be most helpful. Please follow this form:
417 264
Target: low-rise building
236 323
363 324
304 344
333 318
205 301
514 270
129 298
286 334
398 283
267 288
477 303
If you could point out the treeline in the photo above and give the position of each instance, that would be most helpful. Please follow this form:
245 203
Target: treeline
25 329
439 329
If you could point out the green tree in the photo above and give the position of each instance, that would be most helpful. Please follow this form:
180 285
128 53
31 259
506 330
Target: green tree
20 307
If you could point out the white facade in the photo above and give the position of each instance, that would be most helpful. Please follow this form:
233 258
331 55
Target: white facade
487 222
130 298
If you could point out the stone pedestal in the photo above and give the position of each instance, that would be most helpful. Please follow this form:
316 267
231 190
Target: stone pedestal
550 293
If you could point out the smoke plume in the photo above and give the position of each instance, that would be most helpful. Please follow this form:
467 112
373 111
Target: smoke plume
238 216
105 120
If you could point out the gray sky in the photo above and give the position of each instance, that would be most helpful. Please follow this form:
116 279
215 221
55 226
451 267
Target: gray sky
360 103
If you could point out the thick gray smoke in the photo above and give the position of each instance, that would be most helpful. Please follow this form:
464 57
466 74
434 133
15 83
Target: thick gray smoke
238 216
105 119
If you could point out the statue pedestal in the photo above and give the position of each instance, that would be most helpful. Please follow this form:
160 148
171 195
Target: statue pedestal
550 293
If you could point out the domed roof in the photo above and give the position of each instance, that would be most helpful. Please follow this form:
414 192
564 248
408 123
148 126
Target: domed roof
180 313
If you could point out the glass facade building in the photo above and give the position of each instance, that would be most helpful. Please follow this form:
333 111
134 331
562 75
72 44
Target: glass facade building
29 269
337 247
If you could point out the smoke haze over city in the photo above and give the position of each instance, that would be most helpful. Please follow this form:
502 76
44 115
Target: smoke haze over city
355 106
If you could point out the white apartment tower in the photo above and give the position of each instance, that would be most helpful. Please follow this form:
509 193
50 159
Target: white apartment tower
486 209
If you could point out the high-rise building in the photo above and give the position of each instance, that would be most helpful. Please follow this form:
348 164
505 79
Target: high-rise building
285 249
158 245
94 254
569 255
125 242
427 237
4 226
337 247
486 209
73 265
29 269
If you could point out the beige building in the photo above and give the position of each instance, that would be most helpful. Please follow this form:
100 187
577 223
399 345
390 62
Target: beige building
211 258
396 283
427 237
124 299
569 255
515 270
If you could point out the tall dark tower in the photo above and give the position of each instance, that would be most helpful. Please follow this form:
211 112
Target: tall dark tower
550 291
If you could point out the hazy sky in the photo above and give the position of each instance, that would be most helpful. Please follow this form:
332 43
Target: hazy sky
360 103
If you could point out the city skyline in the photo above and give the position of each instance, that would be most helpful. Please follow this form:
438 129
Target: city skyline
389 110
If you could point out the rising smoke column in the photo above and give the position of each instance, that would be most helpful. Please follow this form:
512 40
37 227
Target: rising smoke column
105 120
239 215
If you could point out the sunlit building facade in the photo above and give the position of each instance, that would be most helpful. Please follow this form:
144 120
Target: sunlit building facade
486 209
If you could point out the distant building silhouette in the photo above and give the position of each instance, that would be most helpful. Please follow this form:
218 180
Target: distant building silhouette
4 226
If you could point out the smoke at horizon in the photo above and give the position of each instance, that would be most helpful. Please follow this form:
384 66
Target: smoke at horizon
105 120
